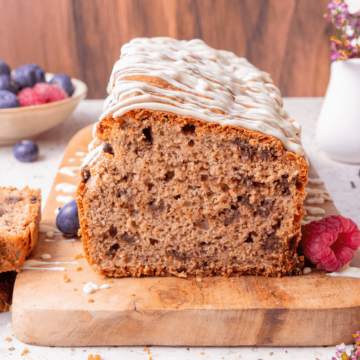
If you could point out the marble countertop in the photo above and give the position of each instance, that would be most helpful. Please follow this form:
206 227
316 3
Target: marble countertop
341 180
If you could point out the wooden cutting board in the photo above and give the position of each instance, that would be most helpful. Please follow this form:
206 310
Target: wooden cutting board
307 310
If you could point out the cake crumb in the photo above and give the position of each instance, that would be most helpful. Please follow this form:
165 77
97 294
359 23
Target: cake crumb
148 351
132 294
110 281
79 256
8 339
66 278
187 349
202 353
75 289
271 354
91 300
144 349
79 268
92 357
26 351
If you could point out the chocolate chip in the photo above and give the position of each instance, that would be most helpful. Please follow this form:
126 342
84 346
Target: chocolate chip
112 231
188 129
34 199
107 148
147 134
13 200
169 175
86 173
153 241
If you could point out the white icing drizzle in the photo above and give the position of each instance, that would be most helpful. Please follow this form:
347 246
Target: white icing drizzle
80 153
204 79
70 240
46 269
33 263
315 196
66 188
48 240
45 228
316 181
45 256
90 287
312 210
306 270
92 156
308 219
64 198
72 160
50 234
347 271
69 170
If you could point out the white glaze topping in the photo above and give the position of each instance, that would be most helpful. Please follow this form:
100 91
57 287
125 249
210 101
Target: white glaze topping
64 199
72 160
32 262
45 228
50 234
45 256
90 287
66 188
80 153
312 210
48 240
204 79
315 181
69 170
46 269
347 271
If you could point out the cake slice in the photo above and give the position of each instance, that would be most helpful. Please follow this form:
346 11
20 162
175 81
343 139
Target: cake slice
197 169
20 213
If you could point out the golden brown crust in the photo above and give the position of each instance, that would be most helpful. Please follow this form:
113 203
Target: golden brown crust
271 146
19 225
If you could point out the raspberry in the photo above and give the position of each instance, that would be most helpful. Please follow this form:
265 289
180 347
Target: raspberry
28 97
330 243
49 93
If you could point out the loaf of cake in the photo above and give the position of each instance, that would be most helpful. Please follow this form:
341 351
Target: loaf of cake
20 213
195 170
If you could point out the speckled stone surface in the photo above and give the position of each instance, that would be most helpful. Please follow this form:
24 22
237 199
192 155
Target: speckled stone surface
342 181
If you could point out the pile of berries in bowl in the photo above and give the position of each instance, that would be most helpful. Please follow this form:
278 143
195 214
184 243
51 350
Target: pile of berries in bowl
28 86
32 101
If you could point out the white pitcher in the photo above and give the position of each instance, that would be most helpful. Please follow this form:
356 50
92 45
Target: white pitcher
338 126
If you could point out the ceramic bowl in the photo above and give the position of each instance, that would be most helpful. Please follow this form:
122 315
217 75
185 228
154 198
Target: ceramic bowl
25 122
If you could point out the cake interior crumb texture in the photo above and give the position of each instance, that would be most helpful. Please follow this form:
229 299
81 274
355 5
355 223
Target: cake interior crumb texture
20 213
175 195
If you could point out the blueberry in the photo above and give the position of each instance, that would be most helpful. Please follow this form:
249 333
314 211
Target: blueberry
26 151
28 75
8 100
63 81
4 68
6 83
67 220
